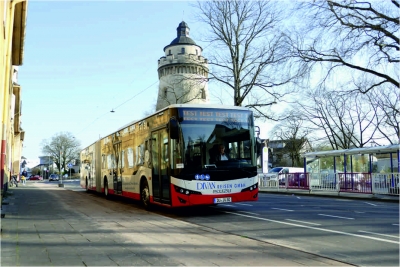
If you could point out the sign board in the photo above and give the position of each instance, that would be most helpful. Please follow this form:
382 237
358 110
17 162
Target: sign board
69 165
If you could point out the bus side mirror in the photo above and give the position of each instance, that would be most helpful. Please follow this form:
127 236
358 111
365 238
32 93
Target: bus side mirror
173 128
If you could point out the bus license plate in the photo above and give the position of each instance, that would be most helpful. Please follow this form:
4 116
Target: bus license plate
222 199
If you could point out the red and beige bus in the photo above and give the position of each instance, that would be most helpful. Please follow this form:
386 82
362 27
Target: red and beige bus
171 158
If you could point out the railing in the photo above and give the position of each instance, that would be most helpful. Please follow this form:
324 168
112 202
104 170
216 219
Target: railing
366 183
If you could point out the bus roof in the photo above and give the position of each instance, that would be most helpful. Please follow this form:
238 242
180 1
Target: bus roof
185 106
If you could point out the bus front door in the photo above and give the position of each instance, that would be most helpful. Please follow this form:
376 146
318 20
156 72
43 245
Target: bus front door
160 170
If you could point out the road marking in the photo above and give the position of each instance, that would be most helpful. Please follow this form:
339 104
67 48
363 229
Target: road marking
395 224
243 204
227 205
281 209
303 222
377 234
347 218
298 197
372 204
314 228
249 212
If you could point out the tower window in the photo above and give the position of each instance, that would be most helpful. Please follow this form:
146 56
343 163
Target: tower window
169 52
203 94
197 52
165 92
183 50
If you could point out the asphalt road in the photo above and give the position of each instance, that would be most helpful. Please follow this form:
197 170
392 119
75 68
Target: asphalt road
355 231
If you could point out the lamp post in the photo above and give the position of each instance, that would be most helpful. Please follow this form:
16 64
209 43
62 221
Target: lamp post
59 171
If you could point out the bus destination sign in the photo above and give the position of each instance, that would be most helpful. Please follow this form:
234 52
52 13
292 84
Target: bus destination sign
215 115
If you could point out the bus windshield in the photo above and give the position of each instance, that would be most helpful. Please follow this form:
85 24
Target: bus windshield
225 144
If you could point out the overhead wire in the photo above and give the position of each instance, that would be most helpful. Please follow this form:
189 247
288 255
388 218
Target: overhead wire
118 106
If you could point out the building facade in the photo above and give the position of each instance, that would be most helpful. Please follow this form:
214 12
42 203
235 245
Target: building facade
182 72
13 15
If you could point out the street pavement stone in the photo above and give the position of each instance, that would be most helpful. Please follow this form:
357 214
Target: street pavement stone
45 225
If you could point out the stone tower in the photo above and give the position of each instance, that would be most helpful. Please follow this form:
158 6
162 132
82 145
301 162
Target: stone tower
182 72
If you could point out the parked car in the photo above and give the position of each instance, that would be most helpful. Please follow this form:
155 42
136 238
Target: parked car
279 172
54 177
35 177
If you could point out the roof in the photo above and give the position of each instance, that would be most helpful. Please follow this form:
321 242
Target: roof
182 37
353 151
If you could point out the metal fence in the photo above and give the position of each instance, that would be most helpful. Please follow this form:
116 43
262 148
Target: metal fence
366 183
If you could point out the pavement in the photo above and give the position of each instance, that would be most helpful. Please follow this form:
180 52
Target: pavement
48 225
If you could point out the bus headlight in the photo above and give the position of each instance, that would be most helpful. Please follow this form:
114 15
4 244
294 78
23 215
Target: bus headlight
250 188
186 191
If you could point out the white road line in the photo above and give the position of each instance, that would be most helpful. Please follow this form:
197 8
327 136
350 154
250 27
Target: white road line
227 205
314 228
249 212
377 234
347 218
372 204
302 222
281 209
396 224
243 204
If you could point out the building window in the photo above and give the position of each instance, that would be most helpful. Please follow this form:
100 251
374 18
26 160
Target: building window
197 52
183 50
203 94
169 52
165 92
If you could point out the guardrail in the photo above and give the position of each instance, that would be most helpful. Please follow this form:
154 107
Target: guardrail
367 183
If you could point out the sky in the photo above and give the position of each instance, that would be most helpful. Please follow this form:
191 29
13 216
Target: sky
83 59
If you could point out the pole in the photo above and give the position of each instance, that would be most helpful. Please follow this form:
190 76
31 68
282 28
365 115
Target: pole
59 171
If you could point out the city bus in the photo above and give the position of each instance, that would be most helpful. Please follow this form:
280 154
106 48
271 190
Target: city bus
169 158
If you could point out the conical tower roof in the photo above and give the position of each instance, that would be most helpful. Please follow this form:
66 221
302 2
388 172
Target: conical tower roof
182 36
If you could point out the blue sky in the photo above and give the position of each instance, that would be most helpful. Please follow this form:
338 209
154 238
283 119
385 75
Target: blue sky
83 59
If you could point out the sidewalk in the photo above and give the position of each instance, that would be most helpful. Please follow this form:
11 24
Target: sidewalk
371 197
45 225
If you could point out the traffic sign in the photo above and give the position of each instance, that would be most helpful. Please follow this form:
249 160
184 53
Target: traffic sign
69 165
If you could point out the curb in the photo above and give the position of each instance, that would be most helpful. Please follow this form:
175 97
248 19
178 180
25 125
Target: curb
394 199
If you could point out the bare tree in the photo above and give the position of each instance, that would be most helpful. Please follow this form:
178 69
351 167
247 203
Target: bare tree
249 51
388 115
295 136
343 35
345 120
63 148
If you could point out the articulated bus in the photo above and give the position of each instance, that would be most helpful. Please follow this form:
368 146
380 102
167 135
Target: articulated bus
169 158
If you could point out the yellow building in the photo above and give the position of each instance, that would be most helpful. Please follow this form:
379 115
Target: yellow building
13 16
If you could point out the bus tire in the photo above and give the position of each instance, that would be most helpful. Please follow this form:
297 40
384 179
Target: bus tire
106 189
145 194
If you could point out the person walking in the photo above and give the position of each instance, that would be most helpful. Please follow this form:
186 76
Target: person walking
23 178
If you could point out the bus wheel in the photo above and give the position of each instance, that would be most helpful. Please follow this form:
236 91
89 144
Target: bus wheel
106 190
145 195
